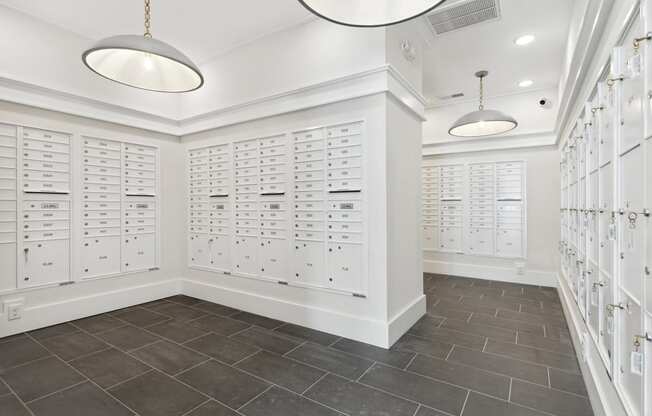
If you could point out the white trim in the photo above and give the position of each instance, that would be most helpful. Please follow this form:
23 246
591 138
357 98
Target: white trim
602 394
44 315
517 141
350 326
502 274
405 319
382 79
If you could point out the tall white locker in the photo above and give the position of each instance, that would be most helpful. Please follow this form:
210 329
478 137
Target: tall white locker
8 204
140 207
217 208
101 212
46 210
430 211
451 213
481 212
510 209
245 250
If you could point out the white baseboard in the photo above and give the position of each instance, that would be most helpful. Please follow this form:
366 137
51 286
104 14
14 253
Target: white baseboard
602 393
503 274
345 325
405 319
53 313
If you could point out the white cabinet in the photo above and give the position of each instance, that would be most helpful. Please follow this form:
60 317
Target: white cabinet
274 258
509 243
309 263
246 254
200 254
139 252
100 256
45 262
220 251
345 267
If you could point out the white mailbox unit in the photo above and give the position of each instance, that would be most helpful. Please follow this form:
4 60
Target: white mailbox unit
606 195
475 209
286 208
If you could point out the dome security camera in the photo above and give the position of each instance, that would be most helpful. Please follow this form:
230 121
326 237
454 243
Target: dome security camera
545 103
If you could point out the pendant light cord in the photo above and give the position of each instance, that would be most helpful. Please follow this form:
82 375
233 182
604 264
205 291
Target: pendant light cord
481 93
147 19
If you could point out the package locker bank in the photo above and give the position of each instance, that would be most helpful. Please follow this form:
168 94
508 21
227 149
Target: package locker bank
399 179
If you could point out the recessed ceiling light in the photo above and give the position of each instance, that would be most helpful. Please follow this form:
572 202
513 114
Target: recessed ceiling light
524 40
525 83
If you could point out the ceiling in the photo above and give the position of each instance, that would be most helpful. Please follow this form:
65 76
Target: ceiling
454 57
209 27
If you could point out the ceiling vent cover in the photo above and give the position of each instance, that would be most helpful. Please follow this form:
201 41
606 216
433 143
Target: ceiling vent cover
463 14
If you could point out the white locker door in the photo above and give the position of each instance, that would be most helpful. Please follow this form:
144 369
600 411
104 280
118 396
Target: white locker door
245 255
45 262
139 252
630 379
648 270
593 301
633 222
632 102
219 246
607 323
309 263
345 266
273 258
450 239
481 241
509 243
608 122
593 218
607 221
200 254
430 238
100 256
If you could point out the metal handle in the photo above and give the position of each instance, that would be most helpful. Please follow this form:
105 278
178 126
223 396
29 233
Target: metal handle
613 306
596 284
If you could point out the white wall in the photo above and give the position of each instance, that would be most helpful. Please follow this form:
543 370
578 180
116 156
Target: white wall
46 306
542 222
47 56
314 52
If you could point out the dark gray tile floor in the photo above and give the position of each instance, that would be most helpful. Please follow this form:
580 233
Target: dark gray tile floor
484 349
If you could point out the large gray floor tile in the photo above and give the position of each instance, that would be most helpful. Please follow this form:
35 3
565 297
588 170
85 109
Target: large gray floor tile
36 379
53 331
178 312
355 399
141 317
520 326
529 317
215 308
266 340
281 371
155 394
223 383
502 334
128 337
561 346
279 402
213 408
435 394
257 320
331 360
19 351
81 400
425 411
501 365
184 300
534 355
550 400
219 324
98 323
74 345
572 383
177 331
11 406
461 375
480 405
425 329
308 334
467 307
168 357
424 346
394 358
109 367
222 348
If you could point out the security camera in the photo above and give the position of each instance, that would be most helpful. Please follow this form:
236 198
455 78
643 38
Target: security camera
545 103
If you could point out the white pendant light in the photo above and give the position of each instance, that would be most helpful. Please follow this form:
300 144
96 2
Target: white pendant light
482 122
369 13
143 62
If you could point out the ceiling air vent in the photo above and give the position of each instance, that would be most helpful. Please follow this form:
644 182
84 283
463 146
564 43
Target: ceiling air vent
452 96
463 14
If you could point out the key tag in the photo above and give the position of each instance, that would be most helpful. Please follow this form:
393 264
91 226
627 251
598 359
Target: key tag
634 64
594 295
610 322
631 230
636 358
612 228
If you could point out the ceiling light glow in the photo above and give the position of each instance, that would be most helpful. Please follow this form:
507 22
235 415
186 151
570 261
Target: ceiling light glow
525 83
524 40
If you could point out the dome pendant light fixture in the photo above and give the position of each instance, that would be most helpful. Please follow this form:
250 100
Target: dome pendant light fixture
369 13
143 62
482 122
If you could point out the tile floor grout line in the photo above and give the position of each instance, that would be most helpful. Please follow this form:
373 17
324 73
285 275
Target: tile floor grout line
509 395
549 380
50 355
449 352
484 347
295 348
149 370
52 393
249 356
519 404
411 360
334 342
416 410
20 400
323 376
255 397
189 368
196 407
366 371
466 399
83 376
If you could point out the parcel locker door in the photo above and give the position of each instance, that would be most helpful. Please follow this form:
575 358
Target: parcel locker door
648 262
100 256
632 222
345 267
450 239
200 254
309 263
220 252
632 104
607 123
481 241
45 262
631 349
593 301
245 255
430 237
593 217
607 324
139 252
607 219
509 243
273 258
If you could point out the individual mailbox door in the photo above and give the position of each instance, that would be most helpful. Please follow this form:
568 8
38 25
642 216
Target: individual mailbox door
509 243
607 123
607 221
632 103
430 238
481 241
450 239
593 301
607 325
45 262
593 217
631 351
632 222
199 250
309 263
345 266
100 256
139 252
246 255
219 246
648 280
273 258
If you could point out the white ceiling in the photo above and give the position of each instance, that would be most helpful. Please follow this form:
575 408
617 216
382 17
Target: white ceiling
450 64
200 28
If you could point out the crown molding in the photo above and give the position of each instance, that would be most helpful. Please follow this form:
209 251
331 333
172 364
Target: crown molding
517 141
382 79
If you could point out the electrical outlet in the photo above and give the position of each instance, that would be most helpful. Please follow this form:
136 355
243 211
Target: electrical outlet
14 311
520 268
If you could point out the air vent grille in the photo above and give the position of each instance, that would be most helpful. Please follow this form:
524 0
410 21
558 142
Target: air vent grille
463 15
